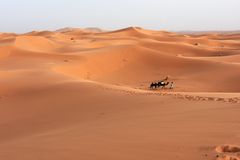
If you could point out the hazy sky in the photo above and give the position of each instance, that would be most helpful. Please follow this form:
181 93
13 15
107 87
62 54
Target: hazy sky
28 15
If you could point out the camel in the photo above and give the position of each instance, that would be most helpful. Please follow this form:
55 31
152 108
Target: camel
159 84
162 84
153 85
171 85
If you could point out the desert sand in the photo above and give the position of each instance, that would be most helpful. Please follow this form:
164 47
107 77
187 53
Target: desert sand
84 94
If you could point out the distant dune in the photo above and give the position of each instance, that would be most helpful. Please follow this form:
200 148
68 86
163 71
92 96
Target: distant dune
210 32
84 94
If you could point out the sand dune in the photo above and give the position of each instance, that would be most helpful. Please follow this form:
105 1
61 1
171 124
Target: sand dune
84 94
35 43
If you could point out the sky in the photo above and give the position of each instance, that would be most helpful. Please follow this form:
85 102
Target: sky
172 15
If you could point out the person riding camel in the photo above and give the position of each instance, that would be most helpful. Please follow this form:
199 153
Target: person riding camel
160 84
164 80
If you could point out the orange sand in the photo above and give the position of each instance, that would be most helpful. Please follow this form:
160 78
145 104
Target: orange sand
84 94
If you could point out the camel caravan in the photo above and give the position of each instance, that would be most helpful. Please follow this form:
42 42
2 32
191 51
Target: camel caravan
162 84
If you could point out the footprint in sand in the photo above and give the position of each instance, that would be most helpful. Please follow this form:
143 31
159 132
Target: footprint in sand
210 98
228 149
227 157
228 152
